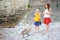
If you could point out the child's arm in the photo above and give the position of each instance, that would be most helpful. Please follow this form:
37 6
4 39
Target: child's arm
34 14
50 13
43 12
47 12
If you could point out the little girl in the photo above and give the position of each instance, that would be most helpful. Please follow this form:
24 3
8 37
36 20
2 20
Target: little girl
37 20
47 16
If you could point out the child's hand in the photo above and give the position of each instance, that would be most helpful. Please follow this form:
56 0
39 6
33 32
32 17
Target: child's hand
48 13
42 12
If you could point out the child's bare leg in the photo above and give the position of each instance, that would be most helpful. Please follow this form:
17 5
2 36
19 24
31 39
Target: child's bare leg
47 27
36 28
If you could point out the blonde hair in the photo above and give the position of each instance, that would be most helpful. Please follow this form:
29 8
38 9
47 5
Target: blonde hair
37 10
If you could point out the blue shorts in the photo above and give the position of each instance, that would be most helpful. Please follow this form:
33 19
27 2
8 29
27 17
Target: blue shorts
37 23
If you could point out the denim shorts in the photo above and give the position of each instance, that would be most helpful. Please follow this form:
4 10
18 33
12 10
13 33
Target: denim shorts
37 23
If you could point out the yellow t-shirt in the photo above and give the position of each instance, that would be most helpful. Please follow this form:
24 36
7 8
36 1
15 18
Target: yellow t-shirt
37 17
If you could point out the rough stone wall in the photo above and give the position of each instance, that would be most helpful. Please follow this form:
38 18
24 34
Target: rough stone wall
9 6
37 2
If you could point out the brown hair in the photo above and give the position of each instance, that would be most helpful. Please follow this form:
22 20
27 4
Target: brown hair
48 6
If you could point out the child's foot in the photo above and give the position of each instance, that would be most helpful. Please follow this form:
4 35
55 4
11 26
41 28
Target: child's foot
37 31
47 31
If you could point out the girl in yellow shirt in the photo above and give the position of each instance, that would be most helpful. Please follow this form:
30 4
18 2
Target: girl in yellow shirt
37 20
